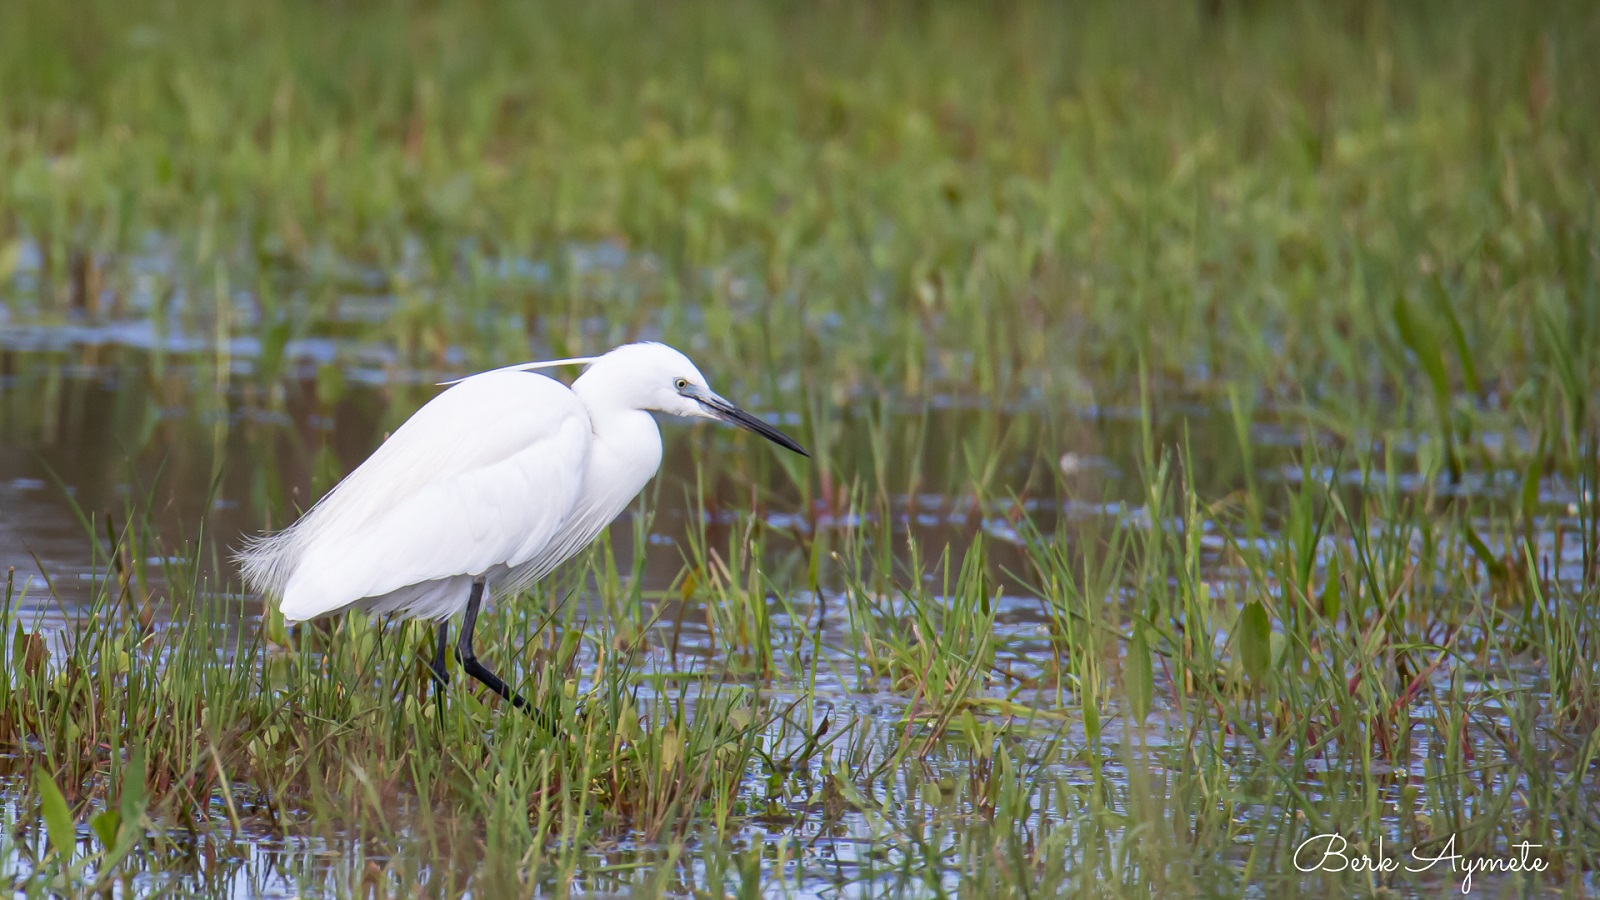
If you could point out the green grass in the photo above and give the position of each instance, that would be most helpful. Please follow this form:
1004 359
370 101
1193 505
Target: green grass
1307 293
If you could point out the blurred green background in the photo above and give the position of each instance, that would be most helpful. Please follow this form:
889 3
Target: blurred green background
1008 202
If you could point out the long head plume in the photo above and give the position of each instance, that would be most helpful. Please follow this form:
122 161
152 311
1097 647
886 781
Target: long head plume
528 367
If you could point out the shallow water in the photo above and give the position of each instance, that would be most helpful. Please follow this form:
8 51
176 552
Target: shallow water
100 427
126 417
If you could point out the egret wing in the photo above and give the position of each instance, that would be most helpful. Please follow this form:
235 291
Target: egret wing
480 477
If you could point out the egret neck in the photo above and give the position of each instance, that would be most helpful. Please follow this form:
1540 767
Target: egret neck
626 451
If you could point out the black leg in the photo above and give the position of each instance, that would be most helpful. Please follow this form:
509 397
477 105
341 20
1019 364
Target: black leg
436 668
441 633
470 664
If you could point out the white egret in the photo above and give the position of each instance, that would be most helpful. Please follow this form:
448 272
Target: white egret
483 491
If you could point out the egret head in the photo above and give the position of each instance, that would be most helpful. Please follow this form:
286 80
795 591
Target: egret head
657 378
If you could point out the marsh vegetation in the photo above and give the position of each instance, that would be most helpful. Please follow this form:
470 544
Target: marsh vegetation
1202 401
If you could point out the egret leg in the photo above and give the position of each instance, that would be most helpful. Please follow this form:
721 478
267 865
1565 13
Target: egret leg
469 659
436 669
441 633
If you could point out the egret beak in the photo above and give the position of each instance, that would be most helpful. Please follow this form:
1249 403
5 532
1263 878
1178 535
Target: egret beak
727 412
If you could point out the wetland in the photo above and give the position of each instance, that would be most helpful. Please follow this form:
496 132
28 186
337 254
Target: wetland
1202 407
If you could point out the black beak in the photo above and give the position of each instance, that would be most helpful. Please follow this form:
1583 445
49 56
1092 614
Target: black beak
727 412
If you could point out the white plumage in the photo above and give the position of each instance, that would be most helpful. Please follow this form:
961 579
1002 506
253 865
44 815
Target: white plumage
496 481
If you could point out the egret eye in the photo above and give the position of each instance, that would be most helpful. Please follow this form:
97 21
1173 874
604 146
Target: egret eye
681 383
